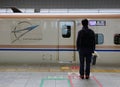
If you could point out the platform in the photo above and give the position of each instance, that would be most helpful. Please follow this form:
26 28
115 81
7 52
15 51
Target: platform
65 76
58 79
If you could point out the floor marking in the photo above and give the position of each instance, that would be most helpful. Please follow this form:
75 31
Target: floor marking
71 83
100 85
55 78
75 67
74 75
65 68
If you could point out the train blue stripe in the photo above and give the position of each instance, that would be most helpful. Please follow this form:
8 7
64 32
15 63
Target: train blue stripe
8 49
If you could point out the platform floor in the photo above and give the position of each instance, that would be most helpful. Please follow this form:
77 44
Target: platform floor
54 76
57 79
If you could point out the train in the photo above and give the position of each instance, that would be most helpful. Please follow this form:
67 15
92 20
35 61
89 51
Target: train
34 38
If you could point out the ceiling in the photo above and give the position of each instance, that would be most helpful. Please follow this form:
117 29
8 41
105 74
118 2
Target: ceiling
77 4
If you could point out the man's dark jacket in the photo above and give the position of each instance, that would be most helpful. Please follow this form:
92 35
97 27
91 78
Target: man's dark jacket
86 40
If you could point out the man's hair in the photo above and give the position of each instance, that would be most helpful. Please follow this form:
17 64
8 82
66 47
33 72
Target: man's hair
85 22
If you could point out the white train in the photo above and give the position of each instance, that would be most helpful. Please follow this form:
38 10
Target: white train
51 38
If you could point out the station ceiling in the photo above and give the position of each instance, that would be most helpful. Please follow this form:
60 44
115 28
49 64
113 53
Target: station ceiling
62 4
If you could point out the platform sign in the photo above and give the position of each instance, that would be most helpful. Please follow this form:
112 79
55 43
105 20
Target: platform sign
97 22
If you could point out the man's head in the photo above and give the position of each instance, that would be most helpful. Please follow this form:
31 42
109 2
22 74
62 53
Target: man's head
85 22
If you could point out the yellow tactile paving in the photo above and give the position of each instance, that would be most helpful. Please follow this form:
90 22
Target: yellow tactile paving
65 68
52 69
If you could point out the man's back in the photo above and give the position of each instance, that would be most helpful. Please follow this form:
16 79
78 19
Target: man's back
86 40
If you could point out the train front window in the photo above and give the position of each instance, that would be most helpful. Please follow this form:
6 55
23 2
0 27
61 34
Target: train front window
117 39
99 38
66 31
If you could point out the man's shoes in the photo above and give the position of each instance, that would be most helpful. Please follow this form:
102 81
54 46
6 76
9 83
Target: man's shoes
82 76
87 77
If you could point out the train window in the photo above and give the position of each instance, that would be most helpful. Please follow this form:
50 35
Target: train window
66 31
99 38
117 39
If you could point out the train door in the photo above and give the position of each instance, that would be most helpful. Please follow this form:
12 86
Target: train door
66 41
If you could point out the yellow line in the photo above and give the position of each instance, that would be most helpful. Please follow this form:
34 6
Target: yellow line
56 69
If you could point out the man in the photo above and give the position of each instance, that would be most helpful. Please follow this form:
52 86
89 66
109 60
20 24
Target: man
85 46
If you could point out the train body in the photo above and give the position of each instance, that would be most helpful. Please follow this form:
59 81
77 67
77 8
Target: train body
40 38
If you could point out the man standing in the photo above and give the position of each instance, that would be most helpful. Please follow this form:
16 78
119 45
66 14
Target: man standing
85 46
